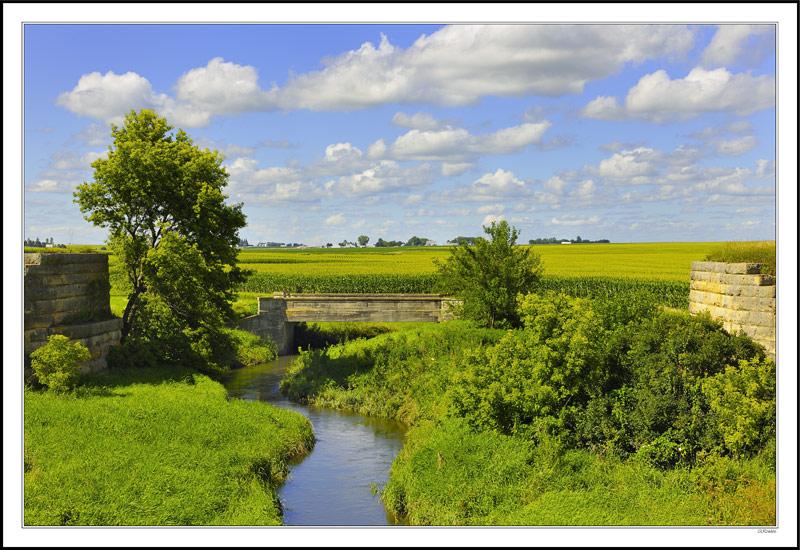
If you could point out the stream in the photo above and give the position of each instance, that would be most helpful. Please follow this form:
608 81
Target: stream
332 485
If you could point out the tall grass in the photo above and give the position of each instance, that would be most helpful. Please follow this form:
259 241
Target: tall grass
760 252
155 447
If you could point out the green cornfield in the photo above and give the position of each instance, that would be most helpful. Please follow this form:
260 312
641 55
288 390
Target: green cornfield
659 270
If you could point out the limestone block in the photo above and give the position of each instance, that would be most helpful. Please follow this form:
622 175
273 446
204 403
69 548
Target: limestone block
64 269
35 279
62 259
731 268
32 292
728 279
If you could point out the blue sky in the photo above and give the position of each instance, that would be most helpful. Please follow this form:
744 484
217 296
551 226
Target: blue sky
633 133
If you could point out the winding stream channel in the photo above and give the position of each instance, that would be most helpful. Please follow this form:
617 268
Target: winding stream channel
333 484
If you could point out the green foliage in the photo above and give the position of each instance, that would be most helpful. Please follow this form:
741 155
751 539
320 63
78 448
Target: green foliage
655 407
759 252
252 349
401 374
154 447
58 363
268 283
594 413
489 275
174 238
448 474
743 399
533 379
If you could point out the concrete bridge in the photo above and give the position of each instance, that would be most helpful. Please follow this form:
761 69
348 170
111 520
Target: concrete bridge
278 314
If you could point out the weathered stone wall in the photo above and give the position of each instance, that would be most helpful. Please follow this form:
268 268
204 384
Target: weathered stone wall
69 294
738 295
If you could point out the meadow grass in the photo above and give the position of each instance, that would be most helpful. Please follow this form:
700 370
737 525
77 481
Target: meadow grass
155 447
761 252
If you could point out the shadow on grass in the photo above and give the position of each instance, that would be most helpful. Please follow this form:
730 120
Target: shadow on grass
97 382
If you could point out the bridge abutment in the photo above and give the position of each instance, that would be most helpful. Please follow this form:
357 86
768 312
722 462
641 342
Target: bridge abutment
278 314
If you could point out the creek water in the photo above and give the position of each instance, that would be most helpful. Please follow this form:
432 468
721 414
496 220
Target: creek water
332 485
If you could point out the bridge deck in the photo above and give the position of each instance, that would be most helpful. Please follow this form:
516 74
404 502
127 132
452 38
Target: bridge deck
363 308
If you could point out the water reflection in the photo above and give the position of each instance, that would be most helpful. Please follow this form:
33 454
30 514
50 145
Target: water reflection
333 484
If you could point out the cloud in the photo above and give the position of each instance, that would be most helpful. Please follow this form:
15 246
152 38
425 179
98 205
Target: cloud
500 184
732 43
420 121
455 66
630 166
657 98
50 186
452 144
765 168
283 144
736 147
107 96
337 219
491 209
492 218
110 97
93 135
617 145
455 168
224 88
458 65
573 220
379 178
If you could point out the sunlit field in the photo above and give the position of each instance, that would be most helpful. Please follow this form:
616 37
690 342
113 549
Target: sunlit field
671 261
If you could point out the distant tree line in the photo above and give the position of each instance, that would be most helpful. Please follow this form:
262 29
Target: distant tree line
41 244
553 240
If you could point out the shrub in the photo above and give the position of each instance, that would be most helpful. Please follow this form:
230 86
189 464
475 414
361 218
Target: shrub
533 380
57 364
743 398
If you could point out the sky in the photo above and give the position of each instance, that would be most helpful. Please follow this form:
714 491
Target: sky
633 133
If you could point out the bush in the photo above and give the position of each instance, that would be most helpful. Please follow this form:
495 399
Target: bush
743 398
534 379
57 364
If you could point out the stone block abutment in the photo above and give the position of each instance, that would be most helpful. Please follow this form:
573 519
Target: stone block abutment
279 313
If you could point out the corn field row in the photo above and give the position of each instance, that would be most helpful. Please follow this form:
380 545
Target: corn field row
668 293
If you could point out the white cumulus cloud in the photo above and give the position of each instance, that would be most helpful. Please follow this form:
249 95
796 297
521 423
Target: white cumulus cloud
420 121
657 98
730 44
452 144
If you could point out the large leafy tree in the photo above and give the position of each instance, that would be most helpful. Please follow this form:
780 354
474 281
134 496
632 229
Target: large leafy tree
174 236
489 275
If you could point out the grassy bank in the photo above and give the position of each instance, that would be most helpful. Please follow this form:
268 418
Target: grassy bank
605 413
155 447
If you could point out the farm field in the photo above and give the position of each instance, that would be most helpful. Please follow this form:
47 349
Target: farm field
585 270
664 261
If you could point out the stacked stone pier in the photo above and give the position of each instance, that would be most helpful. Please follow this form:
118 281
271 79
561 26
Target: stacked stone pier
739 295
69 294
278 314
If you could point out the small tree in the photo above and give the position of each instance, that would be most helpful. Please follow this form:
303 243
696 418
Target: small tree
57 364
489 275
363 240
